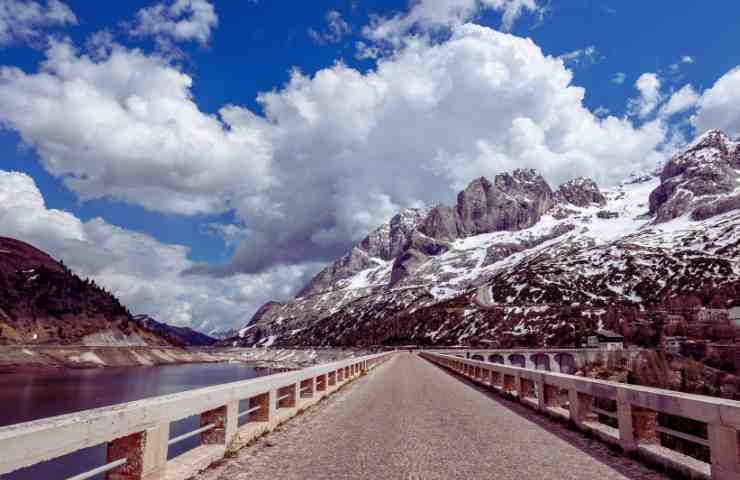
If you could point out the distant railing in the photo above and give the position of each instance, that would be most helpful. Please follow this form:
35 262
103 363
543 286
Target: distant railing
636 414
137 433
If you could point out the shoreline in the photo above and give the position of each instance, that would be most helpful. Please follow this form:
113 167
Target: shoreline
38 359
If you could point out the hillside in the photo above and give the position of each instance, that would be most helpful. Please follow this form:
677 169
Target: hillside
43 302
179 336
516 262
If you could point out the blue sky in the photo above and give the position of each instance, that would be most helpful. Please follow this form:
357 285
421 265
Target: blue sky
253 46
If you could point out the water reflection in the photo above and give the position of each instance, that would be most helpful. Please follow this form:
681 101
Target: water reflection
26 397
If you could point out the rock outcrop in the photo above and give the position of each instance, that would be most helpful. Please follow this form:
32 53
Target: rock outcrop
699 180
581 192
512 202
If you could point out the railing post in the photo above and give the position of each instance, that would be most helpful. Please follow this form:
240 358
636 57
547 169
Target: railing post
527 388
340 375
226 421
636 424
508 385
266 402
292 396
580 407
724 449
321 383
145 452
308 386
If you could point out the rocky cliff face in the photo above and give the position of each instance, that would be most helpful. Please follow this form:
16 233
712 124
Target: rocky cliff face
581 192
43 302
512 260
702 181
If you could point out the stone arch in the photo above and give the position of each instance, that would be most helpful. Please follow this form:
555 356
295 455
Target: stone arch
478 357
566 362
497 358
517 359
541 361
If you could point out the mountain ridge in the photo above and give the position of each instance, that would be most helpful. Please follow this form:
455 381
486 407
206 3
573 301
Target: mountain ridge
516 241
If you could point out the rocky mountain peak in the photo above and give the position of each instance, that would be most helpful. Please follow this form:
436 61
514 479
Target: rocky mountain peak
581 192
703 180
512 202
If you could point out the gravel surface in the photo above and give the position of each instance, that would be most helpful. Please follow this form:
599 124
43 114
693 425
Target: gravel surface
412 420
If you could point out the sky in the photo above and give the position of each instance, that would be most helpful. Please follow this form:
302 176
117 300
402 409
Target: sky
199 158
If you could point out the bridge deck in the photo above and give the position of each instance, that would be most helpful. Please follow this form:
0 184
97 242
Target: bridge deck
412 420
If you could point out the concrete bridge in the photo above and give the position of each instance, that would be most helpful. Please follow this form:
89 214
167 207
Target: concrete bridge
427 416
561 360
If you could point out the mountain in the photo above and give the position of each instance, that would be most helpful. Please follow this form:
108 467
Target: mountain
43 302
223 334
515 262
179 336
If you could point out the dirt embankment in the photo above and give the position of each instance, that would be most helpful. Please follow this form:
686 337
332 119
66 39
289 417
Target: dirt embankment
37 358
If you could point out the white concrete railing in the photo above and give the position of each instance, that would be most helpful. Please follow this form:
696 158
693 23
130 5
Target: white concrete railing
571 397
137 433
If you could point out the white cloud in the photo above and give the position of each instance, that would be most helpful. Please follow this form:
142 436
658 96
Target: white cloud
648 84
364 51
337 29
681 100
142 272
181 20
336 153
619 78
718 105
351 149
588 54
24 20
126 127
687 59
430 15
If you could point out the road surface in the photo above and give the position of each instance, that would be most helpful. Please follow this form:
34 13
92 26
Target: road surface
410 419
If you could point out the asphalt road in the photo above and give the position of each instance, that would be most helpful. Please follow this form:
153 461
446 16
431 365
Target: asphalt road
411 420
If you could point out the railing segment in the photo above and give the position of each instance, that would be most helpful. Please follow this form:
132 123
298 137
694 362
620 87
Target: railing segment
137 433
572 397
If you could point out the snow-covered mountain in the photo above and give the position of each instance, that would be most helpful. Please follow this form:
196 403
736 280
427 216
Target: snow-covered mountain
514 262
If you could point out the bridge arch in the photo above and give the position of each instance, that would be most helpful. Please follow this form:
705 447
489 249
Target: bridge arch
517 359
497 358
478 357
541 361
566 362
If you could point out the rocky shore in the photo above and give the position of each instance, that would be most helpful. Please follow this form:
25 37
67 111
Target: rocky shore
15 359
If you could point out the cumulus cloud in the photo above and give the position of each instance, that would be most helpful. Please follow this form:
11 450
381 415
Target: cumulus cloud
335 154
337 28
619 78
648 85
126 127
181 20
687 59
718 105
430 15
142 272
681 101
588 55
351 148
25 20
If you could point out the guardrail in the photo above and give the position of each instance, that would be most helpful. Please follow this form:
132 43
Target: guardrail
637 430
137 433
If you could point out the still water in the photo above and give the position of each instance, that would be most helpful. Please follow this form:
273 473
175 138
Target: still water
25 397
